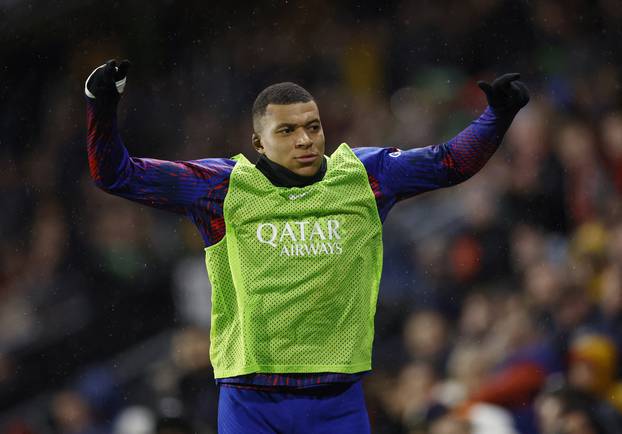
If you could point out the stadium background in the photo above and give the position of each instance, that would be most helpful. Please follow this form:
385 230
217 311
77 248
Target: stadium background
506 289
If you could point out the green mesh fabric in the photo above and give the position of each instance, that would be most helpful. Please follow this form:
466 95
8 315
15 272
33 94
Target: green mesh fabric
295 279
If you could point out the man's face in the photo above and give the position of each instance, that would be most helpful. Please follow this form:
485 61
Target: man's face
291 135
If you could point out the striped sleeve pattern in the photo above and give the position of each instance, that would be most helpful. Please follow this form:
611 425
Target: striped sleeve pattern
397 174
195 188
467 153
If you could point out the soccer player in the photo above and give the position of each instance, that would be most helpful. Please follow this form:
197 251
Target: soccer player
293 244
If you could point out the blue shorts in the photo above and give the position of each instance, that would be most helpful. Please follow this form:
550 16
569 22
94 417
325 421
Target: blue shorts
337 408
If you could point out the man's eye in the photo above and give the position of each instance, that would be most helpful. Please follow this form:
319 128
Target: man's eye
285 130
314 127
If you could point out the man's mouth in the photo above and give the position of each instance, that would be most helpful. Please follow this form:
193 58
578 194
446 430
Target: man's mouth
308 158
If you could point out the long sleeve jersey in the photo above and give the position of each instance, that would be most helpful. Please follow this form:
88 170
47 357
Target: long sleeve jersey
197 188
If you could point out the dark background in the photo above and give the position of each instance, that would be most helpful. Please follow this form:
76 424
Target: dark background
506 289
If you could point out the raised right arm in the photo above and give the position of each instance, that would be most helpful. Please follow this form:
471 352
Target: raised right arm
171 185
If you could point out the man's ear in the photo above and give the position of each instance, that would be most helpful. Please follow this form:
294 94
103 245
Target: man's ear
257 143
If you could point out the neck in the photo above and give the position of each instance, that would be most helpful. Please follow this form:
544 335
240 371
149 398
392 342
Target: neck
282 177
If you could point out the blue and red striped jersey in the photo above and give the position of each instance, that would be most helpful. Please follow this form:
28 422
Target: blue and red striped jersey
197 188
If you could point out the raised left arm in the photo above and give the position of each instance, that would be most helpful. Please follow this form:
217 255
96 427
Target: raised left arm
399 174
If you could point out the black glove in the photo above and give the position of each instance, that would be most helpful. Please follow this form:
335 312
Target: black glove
107 82
506 93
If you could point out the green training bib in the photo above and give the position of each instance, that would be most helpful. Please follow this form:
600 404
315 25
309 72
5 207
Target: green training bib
295 279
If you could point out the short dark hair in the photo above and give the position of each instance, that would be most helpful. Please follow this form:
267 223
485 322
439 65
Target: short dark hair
279 93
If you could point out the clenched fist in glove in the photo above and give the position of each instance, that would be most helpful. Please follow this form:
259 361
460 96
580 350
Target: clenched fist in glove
506 94
107 82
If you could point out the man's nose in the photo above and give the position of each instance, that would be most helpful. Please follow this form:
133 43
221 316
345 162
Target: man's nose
303 139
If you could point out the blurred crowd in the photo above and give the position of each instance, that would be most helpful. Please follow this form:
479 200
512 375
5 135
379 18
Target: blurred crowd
500 309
